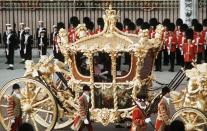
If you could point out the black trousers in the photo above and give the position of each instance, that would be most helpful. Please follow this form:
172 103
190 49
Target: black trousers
199 58
178 56
182 60
10 56
158 61
172 60
166 57
205 56
188 65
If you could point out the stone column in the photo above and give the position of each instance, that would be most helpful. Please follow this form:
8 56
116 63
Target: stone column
188 10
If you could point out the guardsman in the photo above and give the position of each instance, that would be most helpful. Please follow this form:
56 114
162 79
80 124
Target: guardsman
90 27
11 41
139 121
21 33
139 22
181 41
132 28
126 25
179 22
28 42
43 43
171 43
83 119
164 37
38 33
163 114
199 42
194 22
5 40
100 23
71 32
204 34
119 26
14 110
189 49
153 23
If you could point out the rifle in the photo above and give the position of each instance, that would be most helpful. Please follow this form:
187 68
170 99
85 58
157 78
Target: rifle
143 112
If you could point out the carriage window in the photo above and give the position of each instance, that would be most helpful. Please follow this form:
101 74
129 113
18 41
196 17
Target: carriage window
104 98
82 64
102 67
123 64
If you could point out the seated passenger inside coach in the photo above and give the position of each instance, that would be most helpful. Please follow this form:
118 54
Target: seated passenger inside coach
123 63
102 67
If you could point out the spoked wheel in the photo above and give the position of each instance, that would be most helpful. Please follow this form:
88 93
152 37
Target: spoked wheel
38 105
194 119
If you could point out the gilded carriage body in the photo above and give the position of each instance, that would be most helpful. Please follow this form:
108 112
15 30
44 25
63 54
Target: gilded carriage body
50 102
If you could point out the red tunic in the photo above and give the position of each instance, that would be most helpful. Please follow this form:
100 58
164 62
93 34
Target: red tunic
165 34
199 42
151 33
98 30
189 52
204 35
137 31
171 43
126 30
138 120
163 115
71 35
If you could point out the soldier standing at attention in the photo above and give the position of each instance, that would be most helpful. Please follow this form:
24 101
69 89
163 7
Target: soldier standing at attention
5 40
38 35
21 34
189 49
28 42
171 43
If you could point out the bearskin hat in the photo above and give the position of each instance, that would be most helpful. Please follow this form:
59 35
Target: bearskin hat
194 22
198 27
74 20
145 26
153 22
86 20
90 25
132 26
183 27
166 22
100 22
171 27
139 21
189 33
60 25
119 25
179 22
126 21
205 22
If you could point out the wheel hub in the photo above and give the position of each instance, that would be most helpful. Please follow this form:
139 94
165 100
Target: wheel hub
189 127
27 108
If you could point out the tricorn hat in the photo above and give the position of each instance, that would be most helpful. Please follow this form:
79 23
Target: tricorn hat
15 86
165 90
86 88
189 33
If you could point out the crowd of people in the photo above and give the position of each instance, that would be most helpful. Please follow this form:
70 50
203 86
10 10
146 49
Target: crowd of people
182 45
